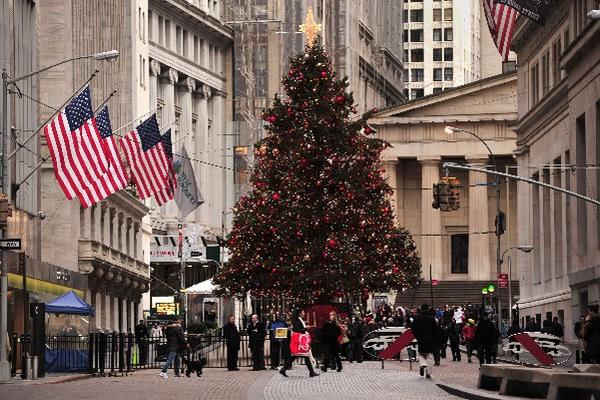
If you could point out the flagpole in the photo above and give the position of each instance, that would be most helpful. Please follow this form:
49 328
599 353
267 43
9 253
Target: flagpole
19 145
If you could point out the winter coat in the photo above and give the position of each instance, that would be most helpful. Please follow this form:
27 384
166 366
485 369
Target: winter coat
175 339
297 325
454 334
231 335
469 332
591 335
425 330
356 331
330 332
486 333
141 331
256 333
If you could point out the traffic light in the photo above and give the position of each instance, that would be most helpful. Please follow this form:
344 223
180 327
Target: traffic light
454 194
444 189
500 223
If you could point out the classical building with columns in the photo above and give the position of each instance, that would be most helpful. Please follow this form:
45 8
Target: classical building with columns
460 245
174 60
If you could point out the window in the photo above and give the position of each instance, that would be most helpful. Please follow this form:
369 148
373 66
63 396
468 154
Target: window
545 73
416 93
144 27
567 38
448 74
141 72
405 16
416 75
178 41
535 83
405 36
437 90
150 29
416 35
437 74
447 14
185 43
416 15
405 55
140 22
196 50
161 31
581 161
437 14
460 253
448 54
201 61
416 55
448 35
167 34
437 54
437 35
556 51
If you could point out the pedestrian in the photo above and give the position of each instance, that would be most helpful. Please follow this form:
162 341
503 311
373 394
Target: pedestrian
494 346
274 342
513 330
591 336
256 336
175 344
557 328
141 339
468 333
425 330
577 329
454 337
156 331
532 326
442 339
330 336
355 334
485 338
299 326
231 334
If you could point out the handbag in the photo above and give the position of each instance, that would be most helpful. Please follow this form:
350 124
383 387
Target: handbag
300 344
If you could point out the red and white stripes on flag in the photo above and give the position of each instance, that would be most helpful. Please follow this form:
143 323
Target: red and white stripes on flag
168 193
78 152
147 160
501 22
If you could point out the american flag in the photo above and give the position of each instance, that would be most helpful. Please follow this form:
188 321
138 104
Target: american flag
501 22
76 149
114 178
147 159
169 191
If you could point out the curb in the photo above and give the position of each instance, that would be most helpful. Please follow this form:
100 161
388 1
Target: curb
69 379
470 394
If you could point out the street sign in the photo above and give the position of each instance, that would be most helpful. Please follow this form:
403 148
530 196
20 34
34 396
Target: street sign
10 244
434 282
195 254
503 280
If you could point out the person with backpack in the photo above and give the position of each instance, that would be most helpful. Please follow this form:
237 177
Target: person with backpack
468 333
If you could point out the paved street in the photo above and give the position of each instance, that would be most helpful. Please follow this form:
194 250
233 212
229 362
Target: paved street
357 381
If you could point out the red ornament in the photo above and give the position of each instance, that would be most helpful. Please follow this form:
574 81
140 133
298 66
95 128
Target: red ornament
323 74
368 130
290 112
331 243
271 119
273 270
340 99
275 196
396 270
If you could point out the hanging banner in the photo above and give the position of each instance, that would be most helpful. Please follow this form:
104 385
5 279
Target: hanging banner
532 9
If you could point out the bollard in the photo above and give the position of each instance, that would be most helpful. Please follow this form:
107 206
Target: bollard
26 367
34 367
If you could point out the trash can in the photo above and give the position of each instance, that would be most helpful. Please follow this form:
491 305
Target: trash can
34 367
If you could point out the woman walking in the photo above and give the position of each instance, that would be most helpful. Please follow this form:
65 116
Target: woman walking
298 326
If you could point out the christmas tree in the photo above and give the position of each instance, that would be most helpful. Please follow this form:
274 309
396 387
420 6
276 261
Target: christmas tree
317 221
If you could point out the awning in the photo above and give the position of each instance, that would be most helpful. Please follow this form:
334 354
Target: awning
205 287
69 303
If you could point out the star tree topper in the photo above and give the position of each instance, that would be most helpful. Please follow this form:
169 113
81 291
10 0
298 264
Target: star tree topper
310 28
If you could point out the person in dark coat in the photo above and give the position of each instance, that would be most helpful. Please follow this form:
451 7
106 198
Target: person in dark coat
330 335
591 337
440 348
454 337
557 328
175 344
275 343
532 326
485 338
356 332
256 337
141 339
513 330
298 325
232 341
425 330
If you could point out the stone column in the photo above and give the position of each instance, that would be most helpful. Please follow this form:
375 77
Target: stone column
153 83
105 233
96 217
201 149
98 307
431 219
392 171
188 86
137 244
220 158
108 318
170 79
116 305
129 239
121 233
132 321
479 244
86 232
114 218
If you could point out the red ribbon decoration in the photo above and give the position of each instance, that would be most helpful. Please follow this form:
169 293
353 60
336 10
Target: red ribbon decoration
397 345
535 349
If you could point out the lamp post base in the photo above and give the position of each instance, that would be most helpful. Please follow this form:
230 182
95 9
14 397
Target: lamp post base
5 376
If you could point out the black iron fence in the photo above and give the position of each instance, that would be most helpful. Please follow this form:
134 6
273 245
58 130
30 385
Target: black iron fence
118 352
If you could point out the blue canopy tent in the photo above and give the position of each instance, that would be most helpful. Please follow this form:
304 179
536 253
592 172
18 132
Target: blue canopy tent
69 303
68 352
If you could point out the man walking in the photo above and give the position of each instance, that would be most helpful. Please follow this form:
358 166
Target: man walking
175 344
356 333
330 334
141 339
232 341
485 337
425 330
299 326
274 342
256 335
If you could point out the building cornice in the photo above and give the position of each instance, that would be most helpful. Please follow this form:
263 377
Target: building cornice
579 48
134 206
443 119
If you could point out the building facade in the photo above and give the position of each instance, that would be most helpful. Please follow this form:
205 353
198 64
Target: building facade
457 248
558 136
446 44
363 39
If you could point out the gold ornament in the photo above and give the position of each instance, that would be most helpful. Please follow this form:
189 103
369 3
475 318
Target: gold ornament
310 28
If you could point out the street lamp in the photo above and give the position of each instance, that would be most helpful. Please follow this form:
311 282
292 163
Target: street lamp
4 184
451 130
525 249
593 14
